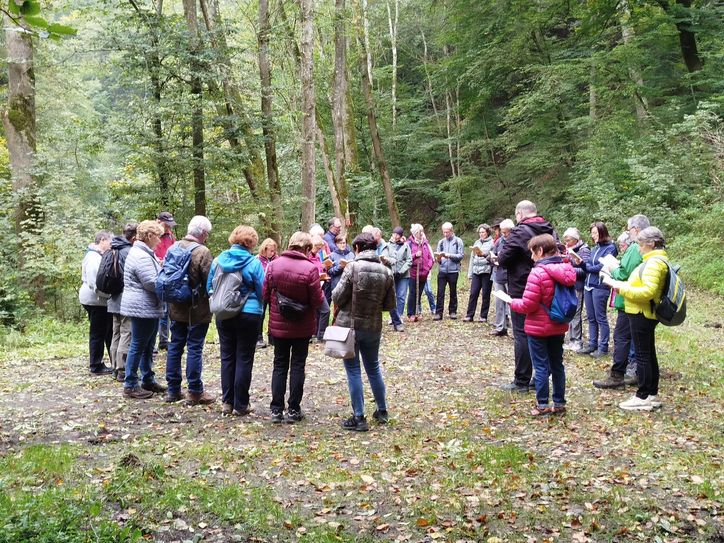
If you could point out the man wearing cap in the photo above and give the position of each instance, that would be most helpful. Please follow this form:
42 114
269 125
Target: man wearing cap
398 257
167 239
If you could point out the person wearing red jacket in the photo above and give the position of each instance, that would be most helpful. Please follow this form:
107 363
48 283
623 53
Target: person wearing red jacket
545 337
294 276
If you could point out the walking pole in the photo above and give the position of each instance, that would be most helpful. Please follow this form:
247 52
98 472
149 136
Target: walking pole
418 299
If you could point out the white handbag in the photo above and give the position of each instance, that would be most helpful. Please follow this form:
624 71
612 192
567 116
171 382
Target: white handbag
339 342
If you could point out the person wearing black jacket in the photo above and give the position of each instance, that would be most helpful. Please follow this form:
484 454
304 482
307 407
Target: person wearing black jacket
515 258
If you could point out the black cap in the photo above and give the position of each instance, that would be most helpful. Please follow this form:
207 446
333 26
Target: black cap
398 230
166 217
497 222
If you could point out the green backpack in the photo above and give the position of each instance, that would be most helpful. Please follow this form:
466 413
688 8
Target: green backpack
671 310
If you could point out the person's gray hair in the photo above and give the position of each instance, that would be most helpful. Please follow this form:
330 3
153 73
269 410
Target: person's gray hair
315 230
572 232
447 226
368 229
639 221
198 226
104 234
623 238
507 224
526 207
376 231
415 228
652 235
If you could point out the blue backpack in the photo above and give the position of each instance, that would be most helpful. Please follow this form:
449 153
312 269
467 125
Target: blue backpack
172 284
564 304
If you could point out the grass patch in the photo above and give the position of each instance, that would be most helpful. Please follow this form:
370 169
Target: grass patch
44 338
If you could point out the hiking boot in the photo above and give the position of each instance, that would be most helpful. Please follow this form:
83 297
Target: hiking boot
121 376
499 333
153 387
453 316
356 424
137 393
634 403
483 320
513 387
437 317
200 398
244 411
399 328
226 408
599 354
587 350
468 319
173 397
613 380
277 417
381 416
294 416
631 380
101 370
261 344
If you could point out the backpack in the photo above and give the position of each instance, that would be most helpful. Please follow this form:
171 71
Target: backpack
110 274
671 310
227 299
172 284
563 305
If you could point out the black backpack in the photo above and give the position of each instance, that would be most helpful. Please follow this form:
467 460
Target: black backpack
110 273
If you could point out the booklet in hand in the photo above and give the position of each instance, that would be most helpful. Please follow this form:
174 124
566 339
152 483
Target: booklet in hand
610 262
503 296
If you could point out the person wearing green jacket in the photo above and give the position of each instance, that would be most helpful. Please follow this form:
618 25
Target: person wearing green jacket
622 332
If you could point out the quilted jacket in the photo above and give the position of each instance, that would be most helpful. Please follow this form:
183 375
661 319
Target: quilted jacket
296 278
139 284
539 289
646 283
481 264
424 263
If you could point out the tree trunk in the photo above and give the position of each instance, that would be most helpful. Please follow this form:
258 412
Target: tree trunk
376 143
627 33
392 23
339 109
592 94
429 81
687 40
366 29
308 115
197 115
275 189
328 172
448 126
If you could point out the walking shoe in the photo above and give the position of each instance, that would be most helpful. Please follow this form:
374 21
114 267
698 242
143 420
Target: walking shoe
572 346
153 387
261 344
277 417
467 319
226 408
587 350
121 376
599 354
399 328
613 380
498 333
356 424
381 416
541 411
634 403
453 316
437 317
173 397
244 411
513 387
559 410
136 393
294 416
631 380
483 320
101 370
200 398
654 401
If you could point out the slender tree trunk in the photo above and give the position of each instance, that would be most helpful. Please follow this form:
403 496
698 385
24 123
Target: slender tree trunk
328 171
448 126
687 40
339 109
366 29
458 128
425 63
275 189
308 115
592 94
392 23
628 34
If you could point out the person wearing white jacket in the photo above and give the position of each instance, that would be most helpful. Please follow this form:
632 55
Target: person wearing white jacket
95 302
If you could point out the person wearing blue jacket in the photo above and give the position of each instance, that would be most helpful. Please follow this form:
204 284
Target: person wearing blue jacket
596 293
449 253
238 335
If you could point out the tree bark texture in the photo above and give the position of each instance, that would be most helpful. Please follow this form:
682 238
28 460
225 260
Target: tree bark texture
339 108
627 34
308 115
392 23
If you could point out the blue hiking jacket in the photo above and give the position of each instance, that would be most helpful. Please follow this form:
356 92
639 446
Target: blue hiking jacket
239 258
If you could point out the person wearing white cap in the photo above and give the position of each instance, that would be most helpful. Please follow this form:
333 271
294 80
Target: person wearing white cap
574 244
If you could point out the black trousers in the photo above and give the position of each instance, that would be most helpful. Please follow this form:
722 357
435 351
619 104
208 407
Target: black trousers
643 334
100 335
480 283
444 279
237 343
523 364
414 294
290 357
621 343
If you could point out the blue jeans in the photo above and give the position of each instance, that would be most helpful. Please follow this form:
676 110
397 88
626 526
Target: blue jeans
163 329
191 336
401 287
140 352
367 345
430 295
596 311
546 353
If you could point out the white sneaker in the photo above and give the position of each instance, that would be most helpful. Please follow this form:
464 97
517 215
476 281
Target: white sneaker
634 403
654 401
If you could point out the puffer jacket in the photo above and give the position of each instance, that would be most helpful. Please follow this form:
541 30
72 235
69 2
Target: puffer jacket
399 258
266 261
514 256
422 263
88 294
630 261
500 274
481 264
374 292
122 245
238 258
453 247
646 283
584 251
139 284
296 278
335 272
593 264
198 276
539 289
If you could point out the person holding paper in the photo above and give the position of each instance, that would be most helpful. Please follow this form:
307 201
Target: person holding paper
578 252
500 281
449 253
398 257
479 272
422 262
340 256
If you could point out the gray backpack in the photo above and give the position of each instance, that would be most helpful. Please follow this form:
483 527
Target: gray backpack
227 299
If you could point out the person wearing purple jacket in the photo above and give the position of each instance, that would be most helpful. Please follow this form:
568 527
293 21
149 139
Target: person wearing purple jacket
422 262
574 244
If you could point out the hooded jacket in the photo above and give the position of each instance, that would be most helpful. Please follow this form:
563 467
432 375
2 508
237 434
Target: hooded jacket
122 245
481 264
539 289
645 284
139 284
593 265
238 258
399 258
88 294
515 255
198 275
373 292
296 278
422 263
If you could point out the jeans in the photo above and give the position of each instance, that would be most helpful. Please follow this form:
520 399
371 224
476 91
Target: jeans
444 279
643 334
523 365
121 341
290 357
100 335
237 345
596 308
140 353
367 346
575 330
621 343
502 310
430 296
400 294
547 355
163 328
479 283
322 319
414 295
191 336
